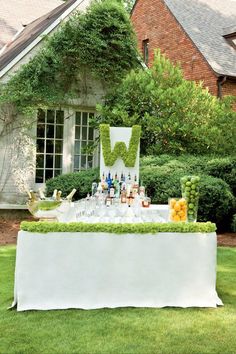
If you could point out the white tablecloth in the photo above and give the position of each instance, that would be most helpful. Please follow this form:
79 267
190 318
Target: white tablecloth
90 271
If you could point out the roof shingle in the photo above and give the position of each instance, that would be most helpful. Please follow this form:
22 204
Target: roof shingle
204 21
14 14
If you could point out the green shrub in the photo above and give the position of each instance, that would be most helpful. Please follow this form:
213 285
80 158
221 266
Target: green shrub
224 168
176 115
162 183
216 201
221 167
233 225
82 181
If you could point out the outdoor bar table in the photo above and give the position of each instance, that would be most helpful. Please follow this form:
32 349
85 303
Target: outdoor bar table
60 270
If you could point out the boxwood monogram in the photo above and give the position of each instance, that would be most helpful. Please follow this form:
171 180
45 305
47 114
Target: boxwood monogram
120 149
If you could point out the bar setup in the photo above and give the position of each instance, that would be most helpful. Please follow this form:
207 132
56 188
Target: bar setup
114 248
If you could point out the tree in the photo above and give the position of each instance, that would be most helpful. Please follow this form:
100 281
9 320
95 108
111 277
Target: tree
176 115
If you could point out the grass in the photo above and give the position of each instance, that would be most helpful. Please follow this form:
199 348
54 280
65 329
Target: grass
125 330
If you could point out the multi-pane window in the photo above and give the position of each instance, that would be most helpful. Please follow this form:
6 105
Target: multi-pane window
49 149
84 136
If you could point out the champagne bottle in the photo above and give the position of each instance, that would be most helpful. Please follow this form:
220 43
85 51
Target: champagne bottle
70 196
54 196
41 194
58 197
29 194
33 196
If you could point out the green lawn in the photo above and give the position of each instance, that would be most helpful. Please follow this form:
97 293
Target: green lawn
126 330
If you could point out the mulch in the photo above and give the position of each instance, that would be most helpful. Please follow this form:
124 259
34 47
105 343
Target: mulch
10 225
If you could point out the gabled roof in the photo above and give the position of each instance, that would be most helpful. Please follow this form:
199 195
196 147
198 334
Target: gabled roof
205 21
33 33
14 14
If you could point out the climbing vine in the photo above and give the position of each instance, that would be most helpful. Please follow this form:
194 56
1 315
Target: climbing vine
100 43
120 149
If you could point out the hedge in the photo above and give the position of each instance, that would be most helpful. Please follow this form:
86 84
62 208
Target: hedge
82 181
146 228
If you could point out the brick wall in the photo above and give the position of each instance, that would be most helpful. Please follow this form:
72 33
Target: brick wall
229 88
152 20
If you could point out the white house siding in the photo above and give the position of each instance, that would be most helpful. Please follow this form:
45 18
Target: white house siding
18 152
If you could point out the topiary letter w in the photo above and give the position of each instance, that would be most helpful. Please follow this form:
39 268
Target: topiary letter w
120 149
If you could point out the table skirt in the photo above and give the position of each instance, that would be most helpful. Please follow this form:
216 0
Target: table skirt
91 271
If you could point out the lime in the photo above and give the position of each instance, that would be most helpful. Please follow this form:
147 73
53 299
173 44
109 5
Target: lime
191 206
193 186
188 183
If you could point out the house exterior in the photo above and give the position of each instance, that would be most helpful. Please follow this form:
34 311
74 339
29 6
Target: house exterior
200 34
14 17
59 134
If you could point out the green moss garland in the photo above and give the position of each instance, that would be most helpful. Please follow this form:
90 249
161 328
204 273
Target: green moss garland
146 228
120 149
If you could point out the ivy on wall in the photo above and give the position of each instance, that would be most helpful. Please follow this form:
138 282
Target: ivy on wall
120 149
99 42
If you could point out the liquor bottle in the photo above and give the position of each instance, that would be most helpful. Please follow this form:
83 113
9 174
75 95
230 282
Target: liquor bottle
128 185
108 200
123 196
112 190
135 187
109 180
70 196
130 199
117 190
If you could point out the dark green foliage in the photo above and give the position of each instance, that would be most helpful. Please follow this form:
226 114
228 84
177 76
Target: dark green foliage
161 176
216 202
176 115
82 181
224 168
100 43
120 150
233 225
145 228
